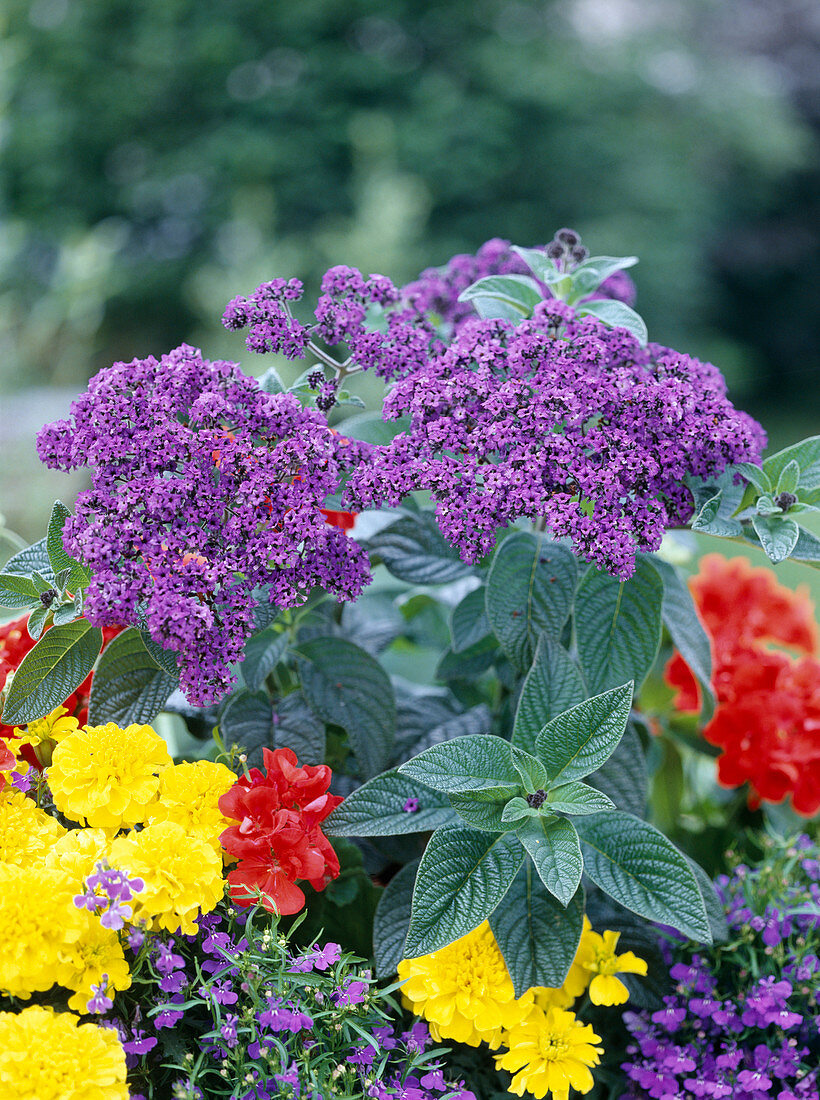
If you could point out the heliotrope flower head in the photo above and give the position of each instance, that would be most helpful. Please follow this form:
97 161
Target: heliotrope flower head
464 990
181 875
205 489
27 833
105 776
189 795
560 418
46 1054
551 1051
278 839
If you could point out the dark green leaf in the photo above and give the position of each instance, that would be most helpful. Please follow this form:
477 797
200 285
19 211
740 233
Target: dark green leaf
537 936
414 550
166 659
393 919
128 688
715 913
617 315
778 536
34 557
806 454
78 575
469 622
618 626
530 590
344 685
36 622
472 763
623 777
481 809
713 520
296 727
756 475
578 798
247 721
18 591
515 810
470 663
263 652
532 771
476 720
685 628
643 871
377 809
552 844
462 878
580 740
552 686
51 671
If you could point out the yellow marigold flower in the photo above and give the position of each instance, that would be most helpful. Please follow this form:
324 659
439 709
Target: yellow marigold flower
78 852
45 733
578 977
38 920
189 795
48 1055
596 954
95 952
182 873
551 1052
26 832
464 990
546 998
107 777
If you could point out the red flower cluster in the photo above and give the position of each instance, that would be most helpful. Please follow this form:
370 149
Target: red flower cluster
278 839
767 721
15 643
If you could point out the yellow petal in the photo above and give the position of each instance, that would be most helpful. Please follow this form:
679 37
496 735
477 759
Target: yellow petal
606 989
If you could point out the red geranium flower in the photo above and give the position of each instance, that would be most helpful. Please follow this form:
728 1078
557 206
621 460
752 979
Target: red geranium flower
278 839
767 719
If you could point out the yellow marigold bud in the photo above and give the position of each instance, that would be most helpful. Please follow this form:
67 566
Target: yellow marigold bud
182 873
26 832
464 990
107 777
44 1053
189 795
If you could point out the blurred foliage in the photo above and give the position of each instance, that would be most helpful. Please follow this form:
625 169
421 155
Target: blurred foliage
161 157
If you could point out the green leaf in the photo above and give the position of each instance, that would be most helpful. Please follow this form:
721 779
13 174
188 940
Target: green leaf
166 659
270 382
623 778
552 844
476 720
247 721
127 687
756 475
540 265
685 628
517 809
296 727
377 809
519 291
552 686
371 428
34 557
78 576
530 590
478 762
580 740
578 798
414 550
807 548
67 612
715 913
789 478
36 622
482 809
778 536
18 591
806 454
344 685
263 652
532 771
617 315
469 622
643 871
392 920
537 936
618 626
51 671
589 275
463 876
470 663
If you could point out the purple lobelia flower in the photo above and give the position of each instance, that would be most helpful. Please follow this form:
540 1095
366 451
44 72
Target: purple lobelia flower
206 491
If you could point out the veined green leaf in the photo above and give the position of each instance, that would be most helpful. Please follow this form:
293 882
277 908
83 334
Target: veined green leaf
578 798
552 686
51 671
477 762
377 808
580 740
552 845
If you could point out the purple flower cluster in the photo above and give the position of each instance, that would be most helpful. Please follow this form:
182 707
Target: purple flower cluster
266 314
424 1083
204 490
560 419
117 889
744 1019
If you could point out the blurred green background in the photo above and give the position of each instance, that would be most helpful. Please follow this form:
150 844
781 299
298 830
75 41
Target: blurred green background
160 157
